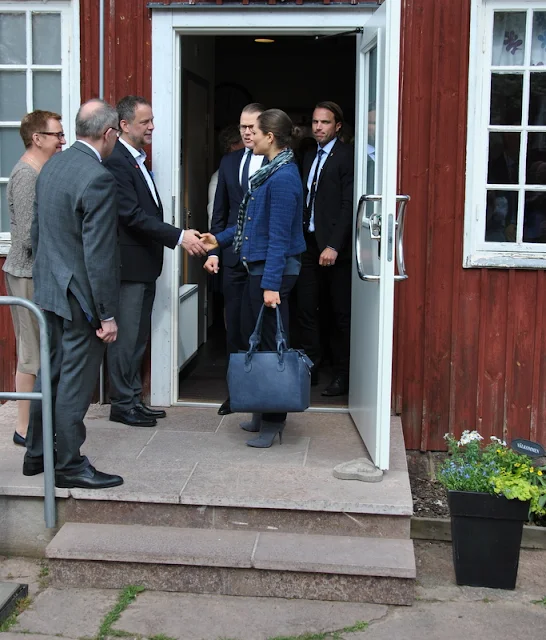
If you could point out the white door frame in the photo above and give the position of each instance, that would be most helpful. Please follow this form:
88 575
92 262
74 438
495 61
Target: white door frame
168 25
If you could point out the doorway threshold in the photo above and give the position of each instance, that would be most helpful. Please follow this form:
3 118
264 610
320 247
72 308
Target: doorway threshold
314 408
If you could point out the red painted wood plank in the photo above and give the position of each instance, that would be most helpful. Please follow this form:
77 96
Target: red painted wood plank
8 361
537 354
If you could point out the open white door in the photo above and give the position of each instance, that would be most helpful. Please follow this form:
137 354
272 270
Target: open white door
375 230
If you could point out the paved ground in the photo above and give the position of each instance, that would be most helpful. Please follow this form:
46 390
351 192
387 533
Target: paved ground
442 610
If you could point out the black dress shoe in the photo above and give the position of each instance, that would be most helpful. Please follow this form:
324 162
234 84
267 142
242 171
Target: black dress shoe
18 439
88 478
33 466
132 417
338 387
225 408
149 412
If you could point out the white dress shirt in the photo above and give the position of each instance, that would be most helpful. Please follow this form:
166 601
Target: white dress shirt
255 164
92 148
326 148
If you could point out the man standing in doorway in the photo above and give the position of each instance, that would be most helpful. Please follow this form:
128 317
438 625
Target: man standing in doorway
76 283
234 174
142 236
325 277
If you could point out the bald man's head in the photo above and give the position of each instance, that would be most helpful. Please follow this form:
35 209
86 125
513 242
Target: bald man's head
94 118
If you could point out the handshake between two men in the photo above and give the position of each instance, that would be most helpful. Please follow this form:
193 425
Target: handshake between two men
199 244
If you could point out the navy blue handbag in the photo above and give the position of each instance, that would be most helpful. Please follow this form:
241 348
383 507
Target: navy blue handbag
269 381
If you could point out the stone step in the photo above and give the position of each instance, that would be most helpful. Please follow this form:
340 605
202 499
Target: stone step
341 523
246 563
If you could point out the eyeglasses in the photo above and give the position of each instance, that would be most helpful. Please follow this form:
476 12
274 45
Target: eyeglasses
58 134
244 127
113 128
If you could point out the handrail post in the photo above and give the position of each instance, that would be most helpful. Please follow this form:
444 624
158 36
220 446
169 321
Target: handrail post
45 397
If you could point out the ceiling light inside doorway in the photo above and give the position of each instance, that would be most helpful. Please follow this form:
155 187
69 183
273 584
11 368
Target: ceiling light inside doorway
264 40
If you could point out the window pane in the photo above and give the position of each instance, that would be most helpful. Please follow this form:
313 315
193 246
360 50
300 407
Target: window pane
534 221
503 167
46 38
12 38
537 101
508 38
4 214
506 97
11 149
47 90
538 44
536 154
13 95
501 216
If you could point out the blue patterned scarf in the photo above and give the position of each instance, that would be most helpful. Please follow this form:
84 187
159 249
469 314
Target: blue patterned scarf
284 157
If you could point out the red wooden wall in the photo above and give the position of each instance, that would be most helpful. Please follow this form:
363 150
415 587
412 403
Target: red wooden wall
470 344
8 357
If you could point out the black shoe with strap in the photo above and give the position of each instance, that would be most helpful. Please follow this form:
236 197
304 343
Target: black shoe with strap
149 412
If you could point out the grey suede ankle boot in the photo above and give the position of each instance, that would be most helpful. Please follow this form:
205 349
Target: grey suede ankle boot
268 431
254 424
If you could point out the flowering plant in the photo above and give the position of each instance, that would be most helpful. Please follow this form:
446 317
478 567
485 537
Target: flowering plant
493 468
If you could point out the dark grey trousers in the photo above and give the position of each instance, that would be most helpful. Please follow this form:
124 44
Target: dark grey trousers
125 355
76 355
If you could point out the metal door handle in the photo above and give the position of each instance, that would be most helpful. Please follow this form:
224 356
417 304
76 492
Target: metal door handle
400 219
374 225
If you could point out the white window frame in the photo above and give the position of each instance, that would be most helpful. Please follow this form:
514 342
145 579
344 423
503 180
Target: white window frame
477 252
70 68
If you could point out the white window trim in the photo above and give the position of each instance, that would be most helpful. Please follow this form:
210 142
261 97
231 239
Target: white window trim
70 49
476 252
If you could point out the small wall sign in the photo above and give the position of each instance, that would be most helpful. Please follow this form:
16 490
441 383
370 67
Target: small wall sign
531 449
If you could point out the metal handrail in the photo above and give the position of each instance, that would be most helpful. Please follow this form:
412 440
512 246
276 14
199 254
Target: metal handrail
45 397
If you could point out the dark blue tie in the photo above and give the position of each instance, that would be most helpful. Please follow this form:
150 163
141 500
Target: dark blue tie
313 191
246 167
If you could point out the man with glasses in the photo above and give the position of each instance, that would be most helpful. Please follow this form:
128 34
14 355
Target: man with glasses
76 283
142 236
234 174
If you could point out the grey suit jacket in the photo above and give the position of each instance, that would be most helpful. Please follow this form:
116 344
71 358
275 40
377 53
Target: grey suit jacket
74 236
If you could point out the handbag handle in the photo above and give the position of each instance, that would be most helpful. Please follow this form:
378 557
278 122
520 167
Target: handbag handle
256 337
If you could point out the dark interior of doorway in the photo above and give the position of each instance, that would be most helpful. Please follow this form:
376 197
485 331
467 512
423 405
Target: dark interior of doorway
292 73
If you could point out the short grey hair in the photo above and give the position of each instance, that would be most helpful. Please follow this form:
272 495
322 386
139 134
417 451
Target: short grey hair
93 124
126 107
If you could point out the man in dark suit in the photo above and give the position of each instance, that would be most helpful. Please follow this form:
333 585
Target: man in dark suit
233 175
325 277
142 236
76 283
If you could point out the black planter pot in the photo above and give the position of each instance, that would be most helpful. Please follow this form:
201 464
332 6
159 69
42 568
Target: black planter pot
486 532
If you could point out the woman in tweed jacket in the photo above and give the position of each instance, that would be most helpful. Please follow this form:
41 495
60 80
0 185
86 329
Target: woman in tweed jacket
42 136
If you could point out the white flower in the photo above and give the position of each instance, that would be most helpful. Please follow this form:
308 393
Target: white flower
469 436
498 441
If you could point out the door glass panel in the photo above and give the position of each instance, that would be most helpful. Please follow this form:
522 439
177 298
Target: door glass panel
12 38
506 98
538 43
536 155
372 97
537 99
46 38
13 95
503 166
508 38
501 216
534 218
4 214
11 149
47 90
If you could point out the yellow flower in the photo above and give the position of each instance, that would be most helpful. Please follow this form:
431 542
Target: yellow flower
498 450
532 469
517 464
539 473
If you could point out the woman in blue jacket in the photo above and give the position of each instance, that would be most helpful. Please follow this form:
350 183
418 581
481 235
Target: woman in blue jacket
269 238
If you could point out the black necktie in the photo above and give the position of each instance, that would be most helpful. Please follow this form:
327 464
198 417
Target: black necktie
246 167
313 191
